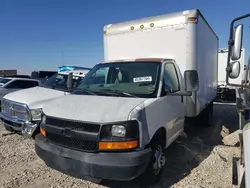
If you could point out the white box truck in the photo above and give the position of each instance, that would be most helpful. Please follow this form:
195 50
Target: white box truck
227 92
21 110
157 72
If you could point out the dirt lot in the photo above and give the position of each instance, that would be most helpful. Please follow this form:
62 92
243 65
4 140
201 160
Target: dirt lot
197 159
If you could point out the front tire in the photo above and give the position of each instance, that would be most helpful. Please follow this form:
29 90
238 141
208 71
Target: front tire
93 180
155 166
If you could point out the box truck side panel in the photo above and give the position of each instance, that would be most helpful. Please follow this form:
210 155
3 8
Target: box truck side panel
207 64
222 64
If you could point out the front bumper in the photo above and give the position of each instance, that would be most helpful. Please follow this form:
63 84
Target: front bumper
103 165
27 128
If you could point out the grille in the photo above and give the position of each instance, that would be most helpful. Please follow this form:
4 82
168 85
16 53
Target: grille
14 110
75 125
83 145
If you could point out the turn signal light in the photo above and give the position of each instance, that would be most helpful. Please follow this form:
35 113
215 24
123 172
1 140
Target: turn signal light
192 19
118 145
43 132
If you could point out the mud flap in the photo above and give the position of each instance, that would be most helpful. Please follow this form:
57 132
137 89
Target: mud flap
235 179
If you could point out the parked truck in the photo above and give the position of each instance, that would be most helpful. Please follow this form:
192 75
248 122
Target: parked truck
14 83
21 110
158 72
241 166
227 92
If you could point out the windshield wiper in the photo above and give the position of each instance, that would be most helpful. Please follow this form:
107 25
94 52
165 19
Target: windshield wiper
78 91
119 92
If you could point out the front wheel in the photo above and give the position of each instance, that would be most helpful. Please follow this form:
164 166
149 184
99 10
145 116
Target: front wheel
93 180
156 163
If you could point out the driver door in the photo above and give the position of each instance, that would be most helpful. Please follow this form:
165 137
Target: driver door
168 111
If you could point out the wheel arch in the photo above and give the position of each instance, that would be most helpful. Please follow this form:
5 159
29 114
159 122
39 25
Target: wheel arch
160 133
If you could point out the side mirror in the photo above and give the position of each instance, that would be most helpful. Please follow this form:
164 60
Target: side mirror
70 81
234 70
191 80
237 45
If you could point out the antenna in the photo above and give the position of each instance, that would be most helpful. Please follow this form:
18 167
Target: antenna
62 59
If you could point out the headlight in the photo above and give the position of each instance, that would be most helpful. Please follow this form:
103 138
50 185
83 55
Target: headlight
118 130
119 136
36 114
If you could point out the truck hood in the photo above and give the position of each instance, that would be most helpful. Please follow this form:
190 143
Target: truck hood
91 108
34 97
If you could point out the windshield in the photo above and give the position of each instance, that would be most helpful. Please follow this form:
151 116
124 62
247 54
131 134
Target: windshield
59 82
135 78
4 81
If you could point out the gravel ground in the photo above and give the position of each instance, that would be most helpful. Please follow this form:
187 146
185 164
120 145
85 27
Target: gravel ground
197 159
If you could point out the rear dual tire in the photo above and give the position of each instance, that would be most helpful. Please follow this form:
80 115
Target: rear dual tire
206 116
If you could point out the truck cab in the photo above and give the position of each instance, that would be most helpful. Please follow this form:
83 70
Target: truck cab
121 113
21 110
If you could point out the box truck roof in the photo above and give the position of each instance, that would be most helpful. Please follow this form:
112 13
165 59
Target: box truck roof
144 60
154 22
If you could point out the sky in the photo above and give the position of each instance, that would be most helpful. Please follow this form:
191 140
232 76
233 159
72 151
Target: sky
43 34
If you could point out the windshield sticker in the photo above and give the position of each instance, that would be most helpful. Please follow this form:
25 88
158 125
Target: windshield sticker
59 77
143 79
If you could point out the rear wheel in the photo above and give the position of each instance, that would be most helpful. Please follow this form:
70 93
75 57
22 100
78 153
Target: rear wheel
206 116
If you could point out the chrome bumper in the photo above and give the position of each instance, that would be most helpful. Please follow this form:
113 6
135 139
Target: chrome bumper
26 128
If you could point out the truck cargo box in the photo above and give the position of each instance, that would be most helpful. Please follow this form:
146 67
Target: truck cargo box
225 92
185 37
222 65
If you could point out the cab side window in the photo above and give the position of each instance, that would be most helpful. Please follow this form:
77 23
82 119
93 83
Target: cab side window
170 77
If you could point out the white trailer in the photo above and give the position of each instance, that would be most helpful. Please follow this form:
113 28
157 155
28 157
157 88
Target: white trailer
227 92
157 72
